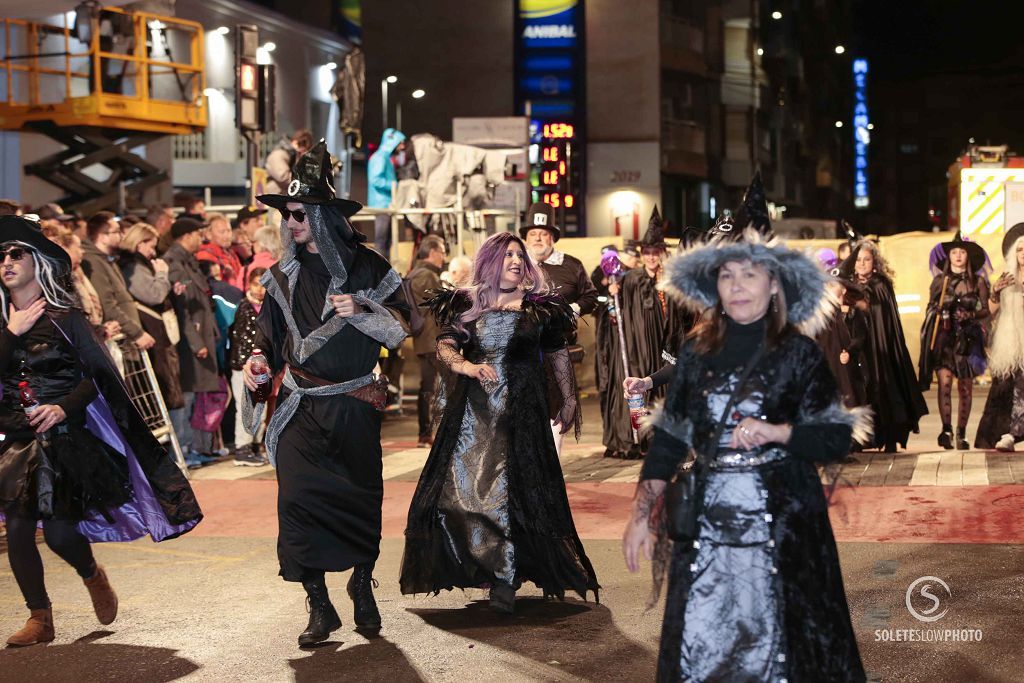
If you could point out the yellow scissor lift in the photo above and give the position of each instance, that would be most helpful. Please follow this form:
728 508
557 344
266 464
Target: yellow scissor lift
102 84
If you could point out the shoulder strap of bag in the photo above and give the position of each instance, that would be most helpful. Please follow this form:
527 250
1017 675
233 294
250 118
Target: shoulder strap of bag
713 445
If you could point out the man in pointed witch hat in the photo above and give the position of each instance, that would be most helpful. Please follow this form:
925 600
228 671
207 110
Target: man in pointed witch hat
651 322
331 305
565 275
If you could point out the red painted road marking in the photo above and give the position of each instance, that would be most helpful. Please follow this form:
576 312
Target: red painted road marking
893 514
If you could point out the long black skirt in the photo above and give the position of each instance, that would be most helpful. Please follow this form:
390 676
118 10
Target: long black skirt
330 486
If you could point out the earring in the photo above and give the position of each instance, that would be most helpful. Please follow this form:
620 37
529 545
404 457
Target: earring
775 304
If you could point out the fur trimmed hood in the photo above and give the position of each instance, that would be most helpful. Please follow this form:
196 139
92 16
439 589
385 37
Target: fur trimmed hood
693 276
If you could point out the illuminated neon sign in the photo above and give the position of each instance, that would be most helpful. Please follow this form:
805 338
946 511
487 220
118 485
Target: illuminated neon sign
861 134
550 90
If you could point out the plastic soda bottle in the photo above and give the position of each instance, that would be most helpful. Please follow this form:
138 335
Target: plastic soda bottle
261 370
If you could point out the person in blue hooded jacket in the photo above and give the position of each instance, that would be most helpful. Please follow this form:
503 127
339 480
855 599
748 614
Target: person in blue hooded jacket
381 177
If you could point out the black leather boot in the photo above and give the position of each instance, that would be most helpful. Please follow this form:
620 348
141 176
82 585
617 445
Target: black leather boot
360 589
323 618
502 598
961 439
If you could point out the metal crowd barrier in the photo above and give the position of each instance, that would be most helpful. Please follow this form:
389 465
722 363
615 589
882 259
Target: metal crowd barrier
144 391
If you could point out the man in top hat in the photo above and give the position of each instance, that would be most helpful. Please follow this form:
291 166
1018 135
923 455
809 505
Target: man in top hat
331 305
564 273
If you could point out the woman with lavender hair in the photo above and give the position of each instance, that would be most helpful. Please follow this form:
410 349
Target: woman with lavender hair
490 507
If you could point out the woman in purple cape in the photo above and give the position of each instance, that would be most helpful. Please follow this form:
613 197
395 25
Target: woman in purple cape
78 460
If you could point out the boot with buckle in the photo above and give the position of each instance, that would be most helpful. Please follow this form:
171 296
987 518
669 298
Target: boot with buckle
323 618
360 589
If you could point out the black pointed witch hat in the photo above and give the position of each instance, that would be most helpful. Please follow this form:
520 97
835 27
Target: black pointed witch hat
311 183
655 234
753 212
975 252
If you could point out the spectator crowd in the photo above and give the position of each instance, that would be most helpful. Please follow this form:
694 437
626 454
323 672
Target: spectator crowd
183 288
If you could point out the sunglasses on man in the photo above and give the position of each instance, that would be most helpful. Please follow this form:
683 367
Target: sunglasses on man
16 253
298 214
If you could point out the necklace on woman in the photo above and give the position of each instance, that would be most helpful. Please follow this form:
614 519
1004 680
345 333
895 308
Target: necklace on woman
507 291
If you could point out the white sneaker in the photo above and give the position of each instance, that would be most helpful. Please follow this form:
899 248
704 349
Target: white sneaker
1005 443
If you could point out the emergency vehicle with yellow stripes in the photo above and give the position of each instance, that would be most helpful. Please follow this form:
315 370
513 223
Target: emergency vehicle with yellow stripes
986 190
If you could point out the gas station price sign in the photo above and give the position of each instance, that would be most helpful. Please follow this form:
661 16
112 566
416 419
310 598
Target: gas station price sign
556 176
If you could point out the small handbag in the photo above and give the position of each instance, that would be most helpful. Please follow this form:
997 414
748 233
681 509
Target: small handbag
681 493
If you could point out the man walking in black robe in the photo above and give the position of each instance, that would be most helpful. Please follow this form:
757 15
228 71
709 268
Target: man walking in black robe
331 305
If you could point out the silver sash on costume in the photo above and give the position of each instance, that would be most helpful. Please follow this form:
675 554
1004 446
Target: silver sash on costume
253 415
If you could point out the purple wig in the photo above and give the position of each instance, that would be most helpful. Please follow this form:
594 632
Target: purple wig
487 269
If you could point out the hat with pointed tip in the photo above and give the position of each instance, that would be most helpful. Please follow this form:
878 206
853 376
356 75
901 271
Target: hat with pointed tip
654 237
753 211
312 183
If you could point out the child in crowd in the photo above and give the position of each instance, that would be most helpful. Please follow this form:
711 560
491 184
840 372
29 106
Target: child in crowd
243 339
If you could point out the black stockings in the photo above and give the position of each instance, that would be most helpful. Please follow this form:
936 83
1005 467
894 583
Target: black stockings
965 394
62 537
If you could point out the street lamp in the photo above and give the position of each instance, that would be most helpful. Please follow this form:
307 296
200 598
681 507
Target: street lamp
839 124
417 94
776 15
840 49
384 96
760 52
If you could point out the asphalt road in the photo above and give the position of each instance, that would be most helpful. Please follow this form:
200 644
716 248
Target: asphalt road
210 606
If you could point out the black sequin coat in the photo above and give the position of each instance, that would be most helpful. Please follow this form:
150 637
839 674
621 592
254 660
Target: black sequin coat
800 391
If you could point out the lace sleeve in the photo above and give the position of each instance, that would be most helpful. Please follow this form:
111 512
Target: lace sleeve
448 353
564 376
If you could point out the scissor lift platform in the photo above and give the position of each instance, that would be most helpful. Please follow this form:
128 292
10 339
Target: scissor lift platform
108 83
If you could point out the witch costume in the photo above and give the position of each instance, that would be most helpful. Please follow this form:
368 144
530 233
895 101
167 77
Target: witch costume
324 436
99 475
1002 422
490 507
847 331
896 397
953 337
652 322
757 595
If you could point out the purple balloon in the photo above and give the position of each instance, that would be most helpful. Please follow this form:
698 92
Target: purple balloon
611 265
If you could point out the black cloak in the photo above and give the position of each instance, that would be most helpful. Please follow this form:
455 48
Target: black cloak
892 385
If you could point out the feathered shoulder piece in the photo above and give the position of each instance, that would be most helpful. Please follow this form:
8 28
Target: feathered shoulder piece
446 305
550 310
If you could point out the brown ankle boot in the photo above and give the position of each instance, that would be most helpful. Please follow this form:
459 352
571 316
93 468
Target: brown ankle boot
104 599
38 629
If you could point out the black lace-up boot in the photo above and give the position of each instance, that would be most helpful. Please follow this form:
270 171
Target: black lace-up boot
323 618
360 589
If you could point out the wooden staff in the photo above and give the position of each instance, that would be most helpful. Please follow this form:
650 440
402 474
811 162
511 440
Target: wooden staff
938 313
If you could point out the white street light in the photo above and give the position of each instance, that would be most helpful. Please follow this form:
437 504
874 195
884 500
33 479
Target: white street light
391 79
840 49
776 15
760 52
269 46
418 93
871 126
331 65
223 30
839 124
